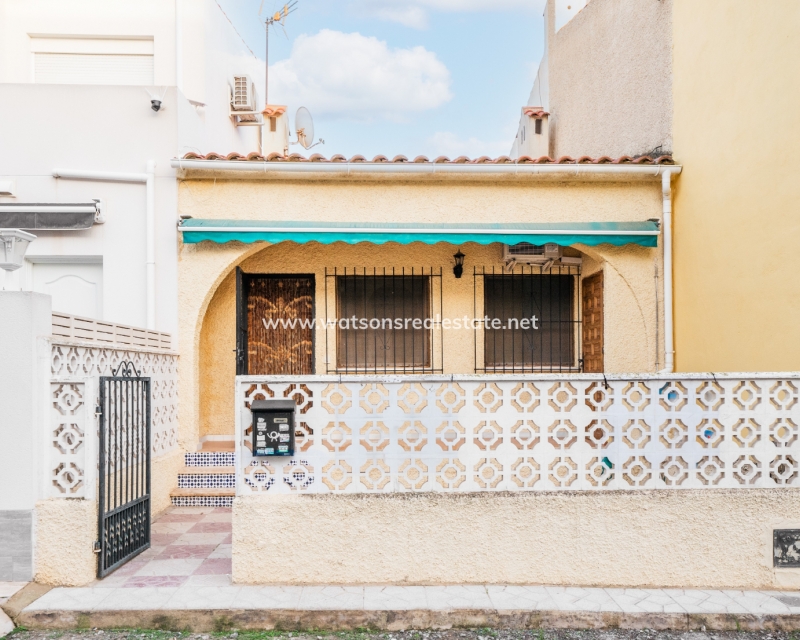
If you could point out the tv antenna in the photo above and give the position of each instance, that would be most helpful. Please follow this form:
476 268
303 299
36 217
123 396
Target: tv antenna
304 126
278 17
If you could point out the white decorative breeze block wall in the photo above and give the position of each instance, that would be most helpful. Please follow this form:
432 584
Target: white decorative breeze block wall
525 433
75 370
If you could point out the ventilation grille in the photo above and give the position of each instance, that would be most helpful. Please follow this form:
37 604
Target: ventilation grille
242 94
528 249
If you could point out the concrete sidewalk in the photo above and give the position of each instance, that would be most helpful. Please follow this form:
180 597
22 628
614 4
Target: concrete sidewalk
199 608
183 582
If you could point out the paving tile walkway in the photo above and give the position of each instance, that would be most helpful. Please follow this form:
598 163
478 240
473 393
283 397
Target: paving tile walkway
188 567
190 546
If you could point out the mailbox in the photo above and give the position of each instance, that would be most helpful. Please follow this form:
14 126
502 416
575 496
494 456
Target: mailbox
273 427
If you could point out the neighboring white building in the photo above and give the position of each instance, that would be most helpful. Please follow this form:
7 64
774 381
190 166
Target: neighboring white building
76 82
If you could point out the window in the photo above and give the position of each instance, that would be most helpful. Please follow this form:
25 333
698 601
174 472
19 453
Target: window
530 320
98 61
383 322
538 127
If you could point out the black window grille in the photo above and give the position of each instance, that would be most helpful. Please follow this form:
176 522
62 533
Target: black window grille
383 320
528 320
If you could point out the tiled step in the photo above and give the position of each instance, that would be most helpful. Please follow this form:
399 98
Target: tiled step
207 478
202 497
210 459
217 445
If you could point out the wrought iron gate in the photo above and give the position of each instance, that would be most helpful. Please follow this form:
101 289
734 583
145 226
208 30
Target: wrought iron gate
124 470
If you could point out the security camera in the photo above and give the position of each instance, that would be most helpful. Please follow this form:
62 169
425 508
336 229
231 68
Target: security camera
155 105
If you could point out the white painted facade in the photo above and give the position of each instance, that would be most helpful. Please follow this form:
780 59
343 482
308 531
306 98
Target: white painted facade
76 81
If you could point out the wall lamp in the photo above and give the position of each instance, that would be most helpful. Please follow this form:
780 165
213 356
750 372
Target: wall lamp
458 268
13 244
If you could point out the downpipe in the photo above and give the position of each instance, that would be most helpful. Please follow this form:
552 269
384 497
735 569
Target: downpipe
666 220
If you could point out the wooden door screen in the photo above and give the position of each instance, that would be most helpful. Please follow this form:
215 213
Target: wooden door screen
275 324
593 324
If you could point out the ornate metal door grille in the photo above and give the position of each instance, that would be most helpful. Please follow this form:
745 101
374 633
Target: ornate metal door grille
124 509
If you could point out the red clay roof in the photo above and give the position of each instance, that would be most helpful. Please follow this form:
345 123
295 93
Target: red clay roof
296 157
274 110
535 112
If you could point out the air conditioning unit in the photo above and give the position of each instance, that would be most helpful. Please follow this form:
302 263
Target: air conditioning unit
243 100
544 255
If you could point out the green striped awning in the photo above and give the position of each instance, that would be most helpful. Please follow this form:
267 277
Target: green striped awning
588 233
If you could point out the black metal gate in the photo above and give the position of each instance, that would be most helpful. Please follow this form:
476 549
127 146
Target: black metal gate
124 509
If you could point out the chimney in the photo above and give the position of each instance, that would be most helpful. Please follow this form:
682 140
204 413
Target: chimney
534 135
275 130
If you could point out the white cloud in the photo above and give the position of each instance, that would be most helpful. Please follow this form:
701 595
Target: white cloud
446 143
347 74
414 13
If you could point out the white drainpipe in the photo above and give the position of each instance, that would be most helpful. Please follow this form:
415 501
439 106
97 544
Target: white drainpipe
669 343
149 180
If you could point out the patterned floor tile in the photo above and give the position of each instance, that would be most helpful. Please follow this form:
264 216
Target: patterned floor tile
70 599
163 539
175 551
204 597
208 580
171 527
214 566
154 581
222 551
202 538
181 517
142 599
211 527
330 598
458 597
171 567
268 597
394 598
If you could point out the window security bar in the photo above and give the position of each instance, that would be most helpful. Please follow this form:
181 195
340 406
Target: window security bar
385 320
527 320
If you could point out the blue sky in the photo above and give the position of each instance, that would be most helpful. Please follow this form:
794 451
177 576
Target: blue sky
411 77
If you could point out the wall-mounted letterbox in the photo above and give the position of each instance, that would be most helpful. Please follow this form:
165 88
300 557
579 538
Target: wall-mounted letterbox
273 427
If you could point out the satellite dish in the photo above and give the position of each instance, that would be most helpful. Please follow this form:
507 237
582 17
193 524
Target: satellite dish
304 125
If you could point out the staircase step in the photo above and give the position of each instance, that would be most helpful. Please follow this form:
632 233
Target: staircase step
217 446
183 497
207 478
209 459
207 470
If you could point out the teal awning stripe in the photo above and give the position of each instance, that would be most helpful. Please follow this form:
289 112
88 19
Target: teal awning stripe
593 233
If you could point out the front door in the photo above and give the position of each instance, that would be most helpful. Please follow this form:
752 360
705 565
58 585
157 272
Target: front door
274 332
593 324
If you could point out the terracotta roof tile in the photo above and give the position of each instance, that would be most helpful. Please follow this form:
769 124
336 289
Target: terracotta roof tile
274 110
296 157
535 112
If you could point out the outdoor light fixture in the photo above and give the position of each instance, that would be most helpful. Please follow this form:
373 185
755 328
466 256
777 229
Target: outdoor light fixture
13 244
458 268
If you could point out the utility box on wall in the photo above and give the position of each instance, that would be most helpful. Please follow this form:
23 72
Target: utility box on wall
273 427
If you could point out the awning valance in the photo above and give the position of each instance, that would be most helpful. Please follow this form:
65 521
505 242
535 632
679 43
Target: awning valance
565 234
57 216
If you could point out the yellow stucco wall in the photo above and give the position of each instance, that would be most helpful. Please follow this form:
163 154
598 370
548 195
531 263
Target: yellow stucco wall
710 538
164 474
65 533
69 560
206 281
737 228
